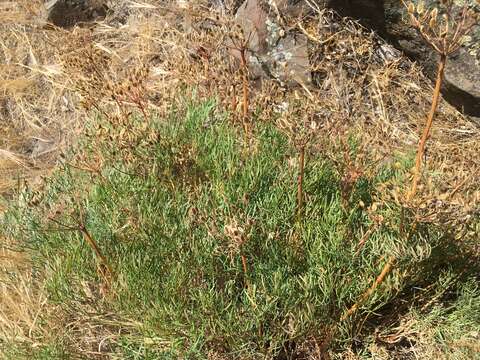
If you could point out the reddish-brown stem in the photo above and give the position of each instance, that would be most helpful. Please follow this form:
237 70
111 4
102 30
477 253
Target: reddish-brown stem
365 238
243 58
244 267
428 126
301 170
385 271
93 244
141 106
234 99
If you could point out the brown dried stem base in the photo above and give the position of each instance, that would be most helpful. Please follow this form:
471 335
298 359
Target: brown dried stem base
428 126
301 166
385 271
106 269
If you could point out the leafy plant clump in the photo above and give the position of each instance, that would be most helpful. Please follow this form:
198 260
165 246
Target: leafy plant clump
205 255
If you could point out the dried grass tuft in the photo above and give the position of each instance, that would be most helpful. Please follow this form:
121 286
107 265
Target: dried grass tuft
23 304
37 111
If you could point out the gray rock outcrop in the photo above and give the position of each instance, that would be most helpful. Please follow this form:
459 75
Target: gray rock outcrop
283 54
462 75
272 51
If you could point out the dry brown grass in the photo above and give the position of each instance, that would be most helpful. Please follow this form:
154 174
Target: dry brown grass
37 113
23 305
29 321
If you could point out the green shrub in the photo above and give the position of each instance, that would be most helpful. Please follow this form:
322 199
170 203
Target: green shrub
177 227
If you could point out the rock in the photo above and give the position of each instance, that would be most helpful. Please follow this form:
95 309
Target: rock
272 51
462 83
283 54
39 147
370 13
461 86
67 13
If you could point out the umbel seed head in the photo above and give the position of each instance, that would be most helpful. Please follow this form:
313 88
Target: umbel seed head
420 8
433 17
411 8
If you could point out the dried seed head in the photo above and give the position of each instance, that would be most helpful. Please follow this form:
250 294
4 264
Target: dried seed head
476 16
433 18
421 7
446 29
411 8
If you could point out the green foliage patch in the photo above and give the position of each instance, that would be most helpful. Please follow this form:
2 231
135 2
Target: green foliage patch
206 252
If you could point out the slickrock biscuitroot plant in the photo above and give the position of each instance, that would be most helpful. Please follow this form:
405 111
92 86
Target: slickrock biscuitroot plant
444 29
